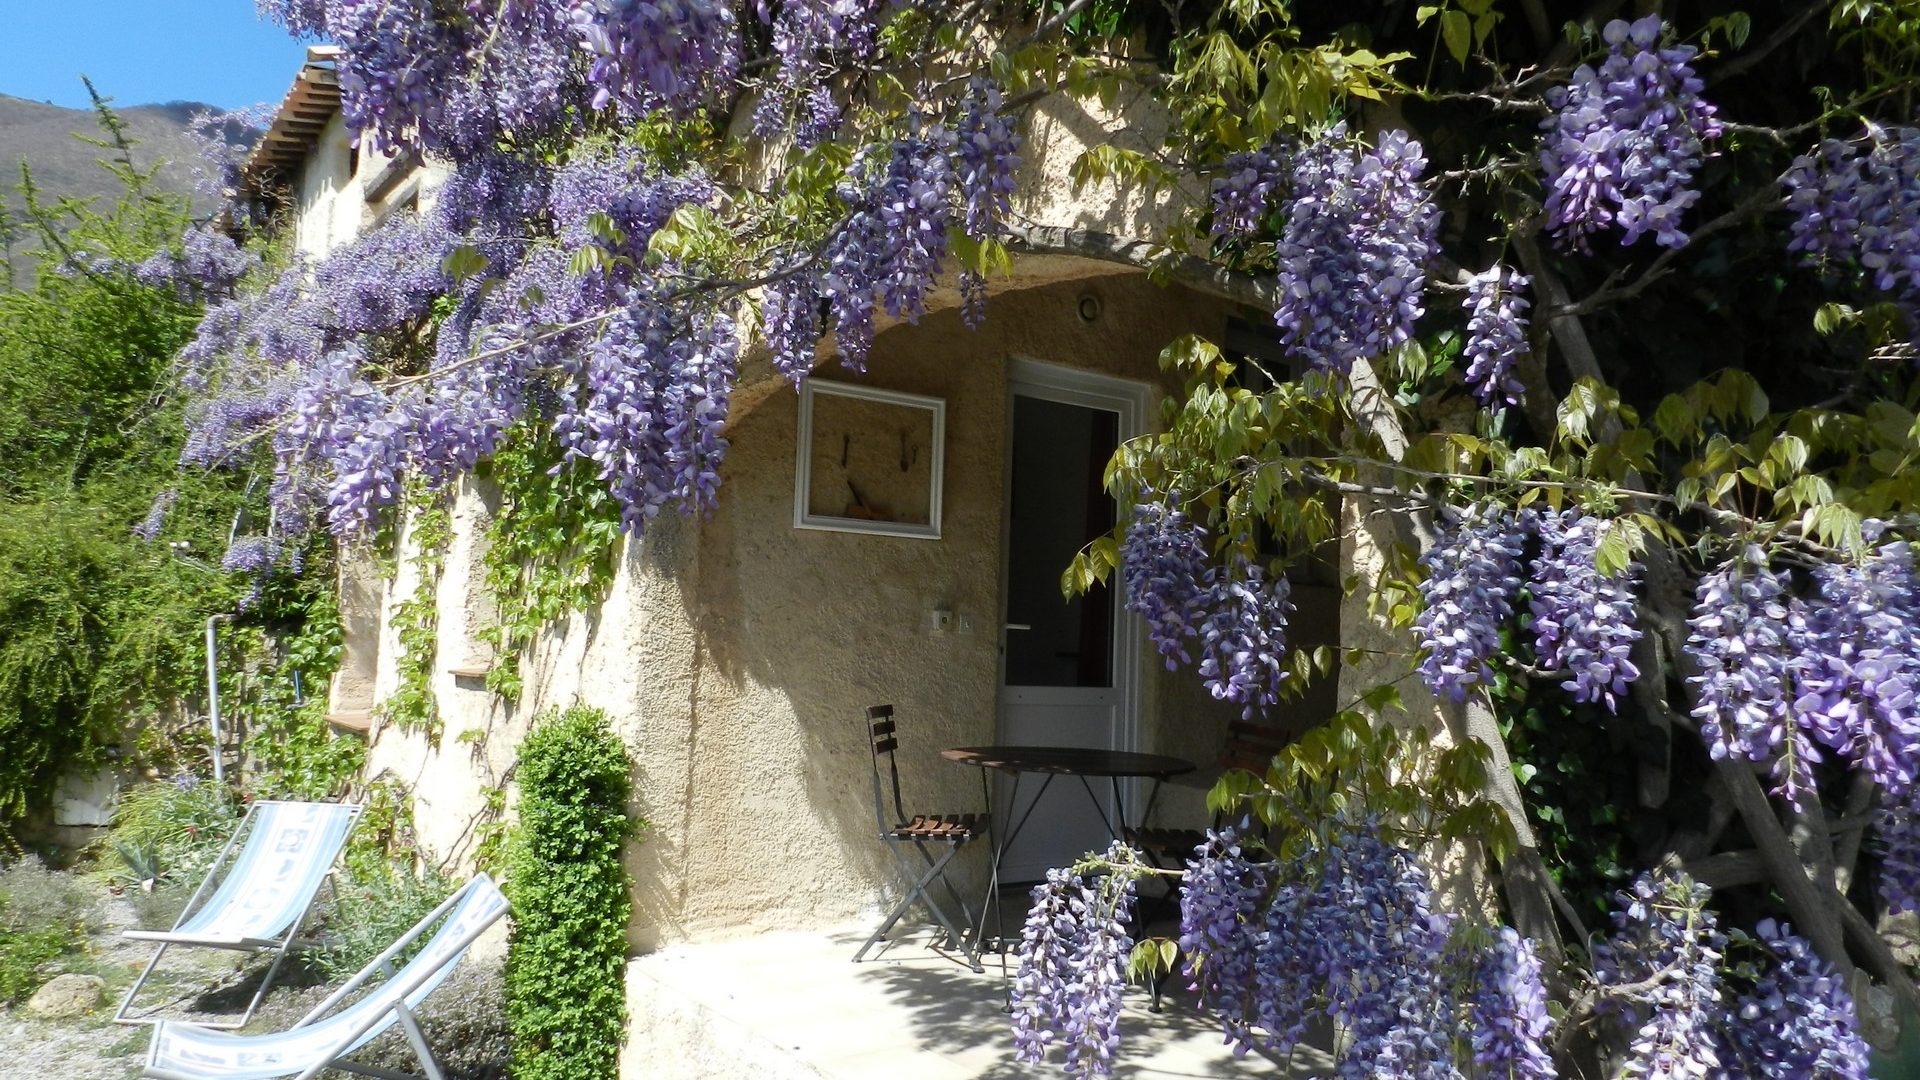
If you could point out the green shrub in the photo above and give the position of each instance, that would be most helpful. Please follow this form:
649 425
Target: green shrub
99 630
375 904
566 987
166 834
43 915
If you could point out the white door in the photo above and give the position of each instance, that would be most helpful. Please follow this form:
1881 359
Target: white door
1069 667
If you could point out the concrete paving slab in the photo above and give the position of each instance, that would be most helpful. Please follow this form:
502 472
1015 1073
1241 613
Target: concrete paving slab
793 1006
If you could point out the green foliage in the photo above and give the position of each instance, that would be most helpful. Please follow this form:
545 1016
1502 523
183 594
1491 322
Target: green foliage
551 547
1576 772
412 705
376 901
565 980
167 833
43 915
1355 767
291 752
99 631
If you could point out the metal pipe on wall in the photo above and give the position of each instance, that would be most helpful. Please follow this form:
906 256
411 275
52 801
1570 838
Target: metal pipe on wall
213 696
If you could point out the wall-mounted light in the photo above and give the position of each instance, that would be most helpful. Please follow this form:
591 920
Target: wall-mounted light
1089 307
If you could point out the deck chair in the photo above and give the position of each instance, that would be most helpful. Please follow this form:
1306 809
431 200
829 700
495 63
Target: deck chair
323 1038
286 850
919 833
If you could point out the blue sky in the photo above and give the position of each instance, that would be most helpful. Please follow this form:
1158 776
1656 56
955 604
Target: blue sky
144 51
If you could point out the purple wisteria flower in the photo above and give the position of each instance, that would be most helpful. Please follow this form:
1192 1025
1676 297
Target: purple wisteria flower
889 249
1496 334
1625 139
1167 575
1856 667
1243 638
207 266
1798 1020
1220 921
1742 654
790 317
1660 972
1507 1011
1353 255
1073 969
1583 620
1245 189
1856 208
1473 571
986 152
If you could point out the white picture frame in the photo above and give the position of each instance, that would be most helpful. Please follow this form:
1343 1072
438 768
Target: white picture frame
906 504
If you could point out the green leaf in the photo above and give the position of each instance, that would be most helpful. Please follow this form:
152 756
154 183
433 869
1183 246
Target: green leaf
463 262
1384 697
588 259
1675 419
1830 317
1456 29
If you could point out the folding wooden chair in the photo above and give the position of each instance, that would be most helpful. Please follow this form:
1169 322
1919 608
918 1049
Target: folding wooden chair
1251 746
322 1039
264 896
920 833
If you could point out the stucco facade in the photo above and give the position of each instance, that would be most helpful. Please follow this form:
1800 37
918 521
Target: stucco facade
736 653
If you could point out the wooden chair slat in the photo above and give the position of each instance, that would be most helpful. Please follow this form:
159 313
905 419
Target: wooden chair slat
886 746
879 712
883 727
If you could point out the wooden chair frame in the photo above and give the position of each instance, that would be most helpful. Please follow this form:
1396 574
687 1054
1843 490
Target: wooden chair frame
918 834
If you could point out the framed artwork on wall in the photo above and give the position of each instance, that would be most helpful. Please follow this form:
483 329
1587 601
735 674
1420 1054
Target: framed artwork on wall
869 461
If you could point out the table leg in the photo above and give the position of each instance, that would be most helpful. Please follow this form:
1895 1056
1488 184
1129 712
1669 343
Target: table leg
1153 796
1001 842
1113 830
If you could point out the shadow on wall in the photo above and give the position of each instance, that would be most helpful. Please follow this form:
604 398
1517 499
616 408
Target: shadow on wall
1061 130
798 631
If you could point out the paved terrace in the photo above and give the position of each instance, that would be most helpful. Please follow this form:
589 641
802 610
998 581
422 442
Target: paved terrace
793 1006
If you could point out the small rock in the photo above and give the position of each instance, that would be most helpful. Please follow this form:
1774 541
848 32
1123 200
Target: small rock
67 996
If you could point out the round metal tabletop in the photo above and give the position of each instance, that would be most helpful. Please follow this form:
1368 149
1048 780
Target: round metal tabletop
1069 761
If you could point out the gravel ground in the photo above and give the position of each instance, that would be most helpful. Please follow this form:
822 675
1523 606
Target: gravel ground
462 1018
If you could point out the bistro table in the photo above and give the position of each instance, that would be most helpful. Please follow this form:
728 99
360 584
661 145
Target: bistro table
1051 762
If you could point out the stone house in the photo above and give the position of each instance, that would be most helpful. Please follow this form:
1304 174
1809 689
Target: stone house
891 537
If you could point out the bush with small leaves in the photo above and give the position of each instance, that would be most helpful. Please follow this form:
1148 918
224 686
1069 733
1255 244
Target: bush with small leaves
566 956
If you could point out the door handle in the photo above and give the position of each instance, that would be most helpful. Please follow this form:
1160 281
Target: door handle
1019 626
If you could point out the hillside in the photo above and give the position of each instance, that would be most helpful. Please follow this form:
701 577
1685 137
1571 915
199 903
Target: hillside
43 135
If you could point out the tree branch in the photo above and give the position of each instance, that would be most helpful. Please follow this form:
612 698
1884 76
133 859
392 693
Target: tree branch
1762 199
1788 30
1191 271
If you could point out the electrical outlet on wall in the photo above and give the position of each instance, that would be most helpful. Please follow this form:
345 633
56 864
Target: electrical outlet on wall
963 623
940 620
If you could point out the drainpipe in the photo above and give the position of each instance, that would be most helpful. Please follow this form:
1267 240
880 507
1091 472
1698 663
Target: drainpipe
213 696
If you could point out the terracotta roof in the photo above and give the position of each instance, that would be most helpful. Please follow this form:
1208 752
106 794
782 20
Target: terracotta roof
296 126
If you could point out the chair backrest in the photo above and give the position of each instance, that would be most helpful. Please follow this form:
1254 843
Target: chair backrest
1252 745
466 914
883 740
287 851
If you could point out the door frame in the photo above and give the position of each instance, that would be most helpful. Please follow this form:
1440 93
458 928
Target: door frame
1131 400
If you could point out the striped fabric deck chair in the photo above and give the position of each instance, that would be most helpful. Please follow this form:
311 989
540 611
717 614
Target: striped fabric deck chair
323 1038
286 850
